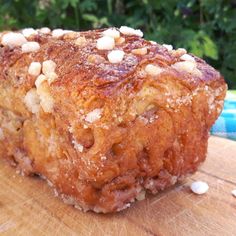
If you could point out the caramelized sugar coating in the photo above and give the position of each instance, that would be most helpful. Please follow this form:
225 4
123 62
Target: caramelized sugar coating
103 130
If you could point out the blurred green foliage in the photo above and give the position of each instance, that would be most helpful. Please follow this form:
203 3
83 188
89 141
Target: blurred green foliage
206 28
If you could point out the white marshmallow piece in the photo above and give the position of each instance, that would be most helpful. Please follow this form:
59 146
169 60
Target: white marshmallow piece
68 31
199 187
153 42
234 192
51 77
28 32
181 51
187 57
30 47
45 30
40 79
115 56
105 43
169 47
46 100
56 33
153 69
49 66
187 66
111 33
13 39
32 101
130 31
93 115
35 68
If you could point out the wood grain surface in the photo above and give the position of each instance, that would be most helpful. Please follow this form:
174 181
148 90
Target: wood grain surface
28 205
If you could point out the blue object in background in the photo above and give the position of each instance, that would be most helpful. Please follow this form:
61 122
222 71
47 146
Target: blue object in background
225 125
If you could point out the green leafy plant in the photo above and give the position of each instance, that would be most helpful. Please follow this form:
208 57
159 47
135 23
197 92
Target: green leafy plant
206 28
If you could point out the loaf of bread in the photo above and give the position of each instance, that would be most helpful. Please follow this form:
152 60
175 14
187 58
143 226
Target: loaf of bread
104 115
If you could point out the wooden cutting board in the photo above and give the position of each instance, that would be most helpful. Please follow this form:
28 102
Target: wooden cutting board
28 205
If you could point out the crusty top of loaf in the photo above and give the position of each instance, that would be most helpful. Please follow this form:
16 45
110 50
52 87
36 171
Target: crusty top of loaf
83 76
83 64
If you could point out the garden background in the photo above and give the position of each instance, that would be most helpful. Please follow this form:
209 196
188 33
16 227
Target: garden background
206 28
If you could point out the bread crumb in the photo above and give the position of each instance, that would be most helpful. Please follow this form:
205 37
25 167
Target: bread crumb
78 146
56 194
103 158
120 119
94 58
105 43
115 56
199 187
81 41
50 184
93 115
141 195
153 118
70 129
120 40
71 35
35 68
30 47
124 207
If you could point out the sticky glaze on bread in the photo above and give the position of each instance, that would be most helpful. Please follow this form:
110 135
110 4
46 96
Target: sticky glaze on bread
104 115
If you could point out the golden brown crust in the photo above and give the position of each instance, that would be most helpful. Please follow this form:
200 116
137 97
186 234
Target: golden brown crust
114 129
